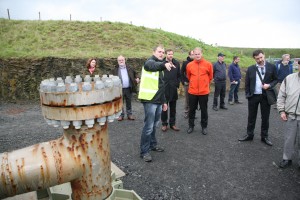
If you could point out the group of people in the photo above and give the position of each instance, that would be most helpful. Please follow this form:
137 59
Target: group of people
160 79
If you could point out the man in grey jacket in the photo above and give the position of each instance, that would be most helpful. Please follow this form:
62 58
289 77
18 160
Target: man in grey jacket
289 110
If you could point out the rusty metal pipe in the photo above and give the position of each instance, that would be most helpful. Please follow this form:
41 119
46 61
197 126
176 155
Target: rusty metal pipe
80 156
36 167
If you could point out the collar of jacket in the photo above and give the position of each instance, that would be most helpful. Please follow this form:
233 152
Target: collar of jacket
265 63
198 61
189 59
235 64
156 59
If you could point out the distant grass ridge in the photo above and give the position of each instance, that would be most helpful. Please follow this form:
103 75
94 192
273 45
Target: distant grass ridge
270 53
77 39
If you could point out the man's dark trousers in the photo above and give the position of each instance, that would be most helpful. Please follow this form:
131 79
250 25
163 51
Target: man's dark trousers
164 114
127 94
220 90
253 103
194 100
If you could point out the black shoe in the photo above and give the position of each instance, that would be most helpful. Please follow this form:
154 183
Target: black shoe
266 141
204 131
190 130
223 107
174 128
158 149
246 138
147 157
215 108
285 163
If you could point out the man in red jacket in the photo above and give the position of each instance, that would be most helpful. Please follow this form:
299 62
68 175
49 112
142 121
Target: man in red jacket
199 73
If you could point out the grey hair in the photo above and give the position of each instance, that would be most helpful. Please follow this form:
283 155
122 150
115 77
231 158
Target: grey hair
285 55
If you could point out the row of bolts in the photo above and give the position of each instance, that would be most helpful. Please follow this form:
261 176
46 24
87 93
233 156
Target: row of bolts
58 85
78 123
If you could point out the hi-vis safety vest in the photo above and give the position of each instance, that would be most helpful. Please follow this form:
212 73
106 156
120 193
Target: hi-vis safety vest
148 85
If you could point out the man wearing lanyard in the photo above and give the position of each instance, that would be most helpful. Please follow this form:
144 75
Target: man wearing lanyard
256 95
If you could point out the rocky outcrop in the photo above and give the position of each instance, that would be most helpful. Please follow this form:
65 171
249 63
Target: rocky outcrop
20 78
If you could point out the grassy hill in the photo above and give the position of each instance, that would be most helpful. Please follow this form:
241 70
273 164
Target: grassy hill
76 39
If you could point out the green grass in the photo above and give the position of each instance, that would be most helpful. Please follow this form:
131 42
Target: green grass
270 53
76 39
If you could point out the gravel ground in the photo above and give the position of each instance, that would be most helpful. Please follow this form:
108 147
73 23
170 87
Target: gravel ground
194 166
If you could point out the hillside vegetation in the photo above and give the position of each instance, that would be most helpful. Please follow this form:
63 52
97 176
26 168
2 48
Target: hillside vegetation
270 53
76 39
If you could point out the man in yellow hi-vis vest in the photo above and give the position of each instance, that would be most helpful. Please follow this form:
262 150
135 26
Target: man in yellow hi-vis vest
152 96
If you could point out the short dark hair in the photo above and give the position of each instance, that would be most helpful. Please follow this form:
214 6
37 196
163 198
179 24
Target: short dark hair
168 50
234 58
257 52
190 52
299 62
158 46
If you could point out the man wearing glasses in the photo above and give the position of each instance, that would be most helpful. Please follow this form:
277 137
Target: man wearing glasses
255 90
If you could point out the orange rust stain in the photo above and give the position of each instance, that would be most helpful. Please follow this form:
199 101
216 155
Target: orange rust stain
3 179
45 158
42 172
14 188
61 144
84 168
58 104
35 148
74 138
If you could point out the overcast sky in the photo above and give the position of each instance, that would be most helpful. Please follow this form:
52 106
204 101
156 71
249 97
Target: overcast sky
233 23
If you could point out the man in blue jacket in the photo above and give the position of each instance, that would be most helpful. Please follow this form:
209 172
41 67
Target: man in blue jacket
234 74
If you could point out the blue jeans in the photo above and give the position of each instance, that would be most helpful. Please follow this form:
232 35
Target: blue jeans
233 93
152 116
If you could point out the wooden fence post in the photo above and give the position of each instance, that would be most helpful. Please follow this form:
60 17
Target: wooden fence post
8 14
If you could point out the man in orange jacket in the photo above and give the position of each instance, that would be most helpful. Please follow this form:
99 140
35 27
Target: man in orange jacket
199 73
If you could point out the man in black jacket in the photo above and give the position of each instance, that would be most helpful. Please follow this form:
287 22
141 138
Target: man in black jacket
255 90
129 81
172 81
185 83
220 82
152 96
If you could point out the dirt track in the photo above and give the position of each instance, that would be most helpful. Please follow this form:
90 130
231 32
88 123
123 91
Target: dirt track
215 166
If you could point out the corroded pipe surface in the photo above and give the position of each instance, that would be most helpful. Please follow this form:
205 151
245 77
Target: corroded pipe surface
36 167
80 156
95 183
